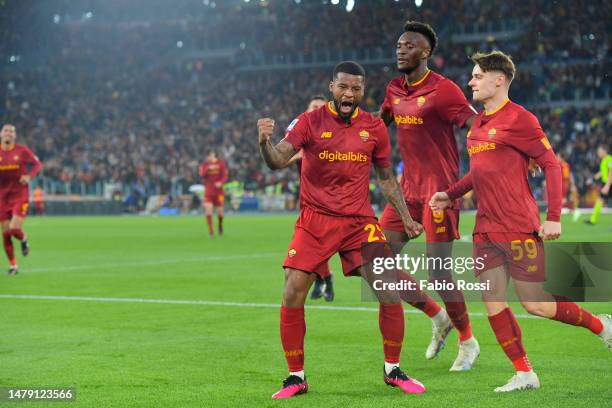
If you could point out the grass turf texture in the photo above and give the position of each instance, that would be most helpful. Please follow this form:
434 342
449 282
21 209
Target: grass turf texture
123 354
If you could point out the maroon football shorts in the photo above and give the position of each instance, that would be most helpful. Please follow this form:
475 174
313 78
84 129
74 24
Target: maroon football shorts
214 196
439 226
14 203
521 253
318 236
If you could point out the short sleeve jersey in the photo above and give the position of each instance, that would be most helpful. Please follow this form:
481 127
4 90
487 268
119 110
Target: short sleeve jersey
337 159
425 113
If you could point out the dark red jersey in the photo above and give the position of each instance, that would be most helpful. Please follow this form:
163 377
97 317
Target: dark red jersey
337 158
500 144
14 163
425 113
212 173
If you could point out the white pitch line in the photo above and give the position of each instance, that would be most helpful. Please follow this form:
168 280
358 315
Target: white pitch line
214 303
152 263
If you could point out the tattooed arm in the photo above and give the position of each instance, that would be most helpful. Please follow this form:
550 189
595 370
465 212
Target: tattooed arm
276 157
393 193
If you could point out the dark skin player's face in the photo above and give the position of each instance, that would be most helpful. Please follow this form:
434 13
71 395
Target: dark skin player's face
412 49
347 91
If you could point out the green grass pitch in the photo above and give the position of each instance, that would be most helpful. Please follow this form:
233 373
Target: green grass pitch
221 346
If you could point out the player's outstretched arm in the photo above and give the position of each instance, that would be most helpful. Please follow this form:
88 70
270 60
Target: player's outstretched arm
276 157
393 193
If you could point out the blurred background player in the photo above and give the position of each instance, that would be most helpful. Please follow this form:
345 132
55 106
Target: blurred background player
322 286
336 215
214 174
39 200
508 235
605 167
568 186
425 107
14 192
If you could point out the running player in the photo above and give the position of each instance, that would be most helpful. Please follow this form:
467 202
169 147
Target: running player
14 192
508 234
425 107
605 168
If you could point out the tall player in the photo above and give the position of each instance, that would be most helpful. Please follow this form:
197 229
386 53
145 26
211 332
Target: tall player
508 234
214 174
322 287
14 192
425 107
340 143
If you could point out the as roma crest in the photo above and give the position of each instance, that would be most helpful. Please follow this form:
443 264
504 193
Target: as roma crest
491 133
421 101
364 135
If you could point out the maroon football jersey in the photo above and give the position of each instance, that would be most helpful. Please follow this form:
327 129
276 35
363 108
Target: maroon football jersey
213 172
337 158
14 163
425 113
500 144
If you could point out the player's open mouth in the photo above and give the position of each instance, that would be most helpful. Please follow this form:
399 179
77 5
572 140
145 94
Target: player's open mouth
346 107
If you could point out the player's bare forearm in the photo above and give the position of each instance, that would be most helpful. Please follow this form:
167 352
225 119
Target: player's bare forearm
276 157
294 159
392 191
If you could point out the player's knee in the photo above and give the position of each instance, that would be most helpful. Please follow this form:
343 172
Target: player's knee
293 296
535 308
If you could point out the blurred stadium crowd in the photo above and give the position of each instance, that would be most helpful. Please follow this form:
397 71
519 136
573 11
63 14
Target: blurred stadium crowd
130 97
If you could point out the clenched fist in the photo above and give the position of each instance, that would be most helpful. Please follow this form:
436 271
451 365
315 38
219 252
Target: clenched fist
265 128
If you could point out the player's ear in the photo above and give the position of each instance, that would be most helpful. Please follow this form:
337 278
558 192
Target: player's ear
331 86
